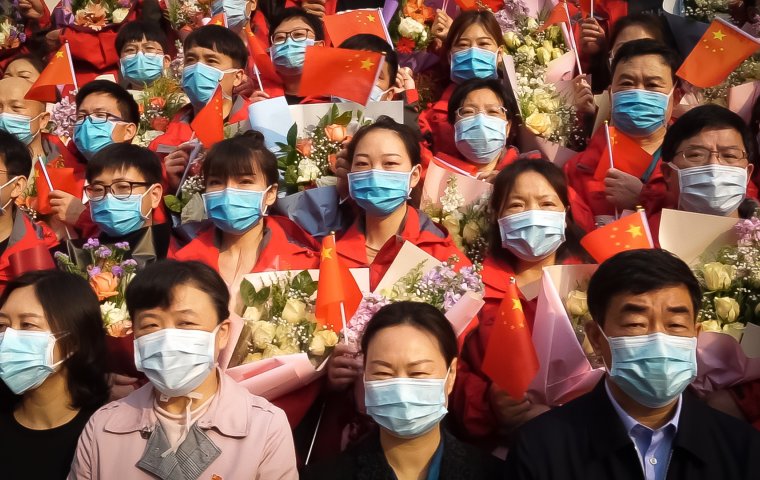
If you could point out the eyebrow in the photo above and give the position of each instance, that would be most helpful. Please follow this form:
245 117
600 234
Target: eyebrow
418 362
383 155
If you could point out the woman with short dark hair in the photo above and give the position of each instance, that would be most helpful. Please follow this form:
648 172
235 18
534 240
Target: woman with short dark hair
52 361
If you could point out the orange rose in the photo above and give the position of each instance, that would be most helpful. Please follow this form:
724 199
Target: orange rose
93 15
304 146
336 133
157 102
105 285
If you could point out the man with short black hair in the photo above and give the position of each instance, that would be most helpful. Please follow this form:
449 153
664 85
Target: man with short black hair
637 423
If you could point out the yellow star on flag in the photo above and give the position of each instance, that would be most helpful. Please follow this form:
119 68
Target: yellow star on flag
371 18
218 22
326 253
516 305
634 230
367 64
59 55
719 35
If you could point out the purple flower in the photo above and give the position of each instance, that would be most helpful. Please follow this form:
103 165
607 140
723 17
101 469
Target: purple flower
122 246
117 271
93 271
91 244
128 263
103 252
61 256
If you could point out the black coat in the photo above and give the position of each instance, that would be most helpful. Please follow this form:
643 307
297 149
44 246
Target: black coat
586 439
366 461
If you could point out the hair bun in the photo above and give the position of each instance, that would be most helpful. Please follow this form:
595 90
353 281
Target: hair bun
255 137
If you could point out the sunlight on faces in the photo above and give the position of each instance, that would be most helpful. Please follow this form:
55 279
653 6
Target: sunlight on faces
644 72
219 61
145 46
404 351
668 310
531 191
104 103
22 68
629 34
12 91
475 36
150 201
23 312
383 149
190 309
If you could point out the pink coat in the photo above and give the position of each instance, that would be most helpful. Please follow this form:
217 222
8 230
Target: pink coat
252 434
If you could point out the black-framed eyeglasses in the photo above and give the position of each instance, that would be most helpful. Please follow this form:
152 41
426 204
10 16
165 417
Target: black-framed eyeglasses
298 35
700 155
490 110
96 118
120 190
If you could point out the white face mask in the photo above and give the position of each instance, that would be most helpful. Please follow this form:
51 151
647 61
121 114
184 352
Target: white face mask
3 209
711 189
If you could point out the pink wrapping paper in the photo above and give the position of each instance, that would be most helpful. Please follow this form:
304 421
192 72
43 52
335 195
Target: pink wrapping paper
435 184
554 152
721 363
464 311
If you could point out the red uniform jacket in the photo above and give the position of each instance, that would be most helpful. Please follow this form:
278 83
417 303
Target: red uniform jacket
435 127
747 397
287 247
25 235
417 228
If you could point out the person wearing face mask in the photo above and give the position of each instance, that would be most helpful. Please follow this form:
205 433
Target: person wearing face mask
52 363
214 56
639 421
181 322
18 232
532 227
142 61
471 48
642 102
409 368
238 12
24 118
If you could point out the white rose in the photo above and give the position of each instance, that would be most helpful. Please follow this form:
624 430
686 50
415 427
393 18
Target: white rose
532 23
512 40
577 303
529 52
735 329
119 15
539 123
710 326
727 309
410 28
470 232
543 56
263 334
294 311
323 339
718 276
253 314
307 171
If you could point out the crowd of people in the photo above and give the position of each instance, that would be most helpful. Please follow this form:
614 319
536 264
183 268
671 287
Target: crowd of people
410 399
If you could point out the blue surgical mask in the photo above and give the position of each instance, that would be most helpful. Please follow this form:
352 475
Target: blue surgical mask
20 126
480 137
288 57
176 361
379 192
26 359
142 68
199 81
234 10
376 94
534 234
235 210
473 63
653 369
118 217
711 189
407 407
91 137
639 113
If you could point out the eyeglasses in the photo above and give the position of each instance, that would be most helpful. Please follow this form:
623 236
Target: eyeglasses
490 110
133 49
696 156
120 190
96 118
298 35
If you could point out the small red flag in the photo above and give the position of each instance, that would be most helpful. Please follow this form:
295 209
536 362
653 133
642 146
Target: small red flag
208 124
629 233
558 14
344 73
60 177
353 22
720 50
510 359
261 59
218 19
627 156
59 72
336 286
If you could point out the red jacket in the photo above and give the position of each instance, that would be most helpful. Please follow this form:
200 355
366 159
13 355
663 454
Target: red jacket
747 397
417 228
25 235
435 127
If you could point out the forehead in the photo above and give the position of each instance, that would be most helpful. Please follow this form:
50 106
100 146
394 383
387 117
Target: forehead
725 136
476 30
670 296
188 298
532 183
630 33
99 101
381 140
13 88
644 66
20 65
292 24
119 173
401 344
483 95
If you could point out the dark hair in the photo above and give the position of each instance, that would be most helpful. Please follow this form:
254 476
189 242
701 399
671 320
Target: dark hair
637 272
294 12
503 92
701 118
503 185
236 157
483 18
421 316
154 286
652 24
373 43
137 30
36 61
407 134
71 307
15 154
219 39
128 109
646 46
118 156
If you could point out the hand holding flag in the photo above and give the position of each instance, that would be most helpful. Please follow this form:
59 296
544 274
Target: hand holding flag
624 154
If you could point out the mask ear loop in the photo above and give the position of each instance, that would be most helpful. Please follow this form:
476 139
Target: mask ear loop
264 207
409 180
10 200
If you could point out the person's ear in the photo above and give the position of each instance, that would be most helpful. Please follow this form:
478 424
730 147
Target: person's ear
666 171
239 77
167 62
414 179
271 196
156 195
509 129
595 336
319 43
750 169
223 336
130 130
452 377
42 121
18 187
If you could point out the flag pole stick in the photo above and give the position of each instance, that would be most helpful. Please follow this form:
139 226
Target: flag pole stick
258 76
314 437
71 66
569 35
592 9
609 151
50 187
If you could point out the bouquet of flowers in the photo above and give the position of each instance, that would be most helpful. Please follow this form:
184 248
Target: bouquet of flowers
310 161
410 31
11 33
109 273
61 123
707 10
158 104
442 286
95 14
187 14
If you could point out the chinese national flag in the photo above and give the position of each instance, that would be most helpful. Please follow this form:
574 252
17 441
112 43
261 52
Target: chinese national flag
493 5
557 15
344 73
720 50
629 233
208 124
510 359
336 286
218 19
261 59
59 72
627 156
61 179
347 24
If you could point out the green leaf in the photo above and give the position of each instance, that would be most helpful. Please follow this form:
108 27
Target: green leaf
293 135
173 203
303 283
260 297
248 293
344 118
